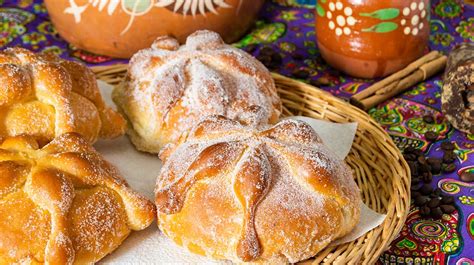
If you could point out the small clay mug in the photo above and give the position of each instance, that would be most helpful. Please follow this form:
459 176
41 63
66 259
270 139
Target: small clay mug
372 38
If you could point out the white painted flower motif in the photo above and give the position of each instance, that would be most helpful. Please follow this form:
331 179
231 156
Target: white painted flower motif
343 19
414 15
193 6
136 8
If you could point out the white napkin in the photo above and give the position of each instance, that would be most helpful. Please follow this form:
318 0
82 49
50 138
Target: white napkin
140 170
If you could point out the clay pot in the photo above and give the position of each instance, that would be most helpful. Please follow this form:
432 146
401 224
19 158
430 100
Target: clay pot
119 28
372 38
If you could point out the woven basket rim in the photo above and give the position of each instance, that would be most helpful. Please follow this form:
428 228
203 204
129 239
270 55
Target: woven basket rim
378 165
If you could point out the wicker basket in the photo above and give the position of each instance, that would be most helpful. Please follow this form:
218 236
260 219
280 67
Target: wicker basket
379 168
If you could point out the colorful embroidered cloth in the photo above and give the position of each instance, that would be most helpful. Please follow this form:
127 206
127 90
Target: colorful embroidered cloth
289 29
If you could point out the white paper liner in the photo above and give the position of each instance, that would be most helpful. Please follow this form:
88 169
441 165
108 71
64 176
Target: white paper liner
141 169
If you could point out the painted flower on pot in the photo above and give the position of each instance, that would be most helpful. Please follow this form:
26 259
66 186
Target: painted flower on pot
342 18
413 17
136 8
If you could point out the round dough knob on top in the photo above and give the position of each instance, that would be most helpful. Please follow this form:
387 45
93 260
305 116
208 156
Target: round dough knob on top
169 88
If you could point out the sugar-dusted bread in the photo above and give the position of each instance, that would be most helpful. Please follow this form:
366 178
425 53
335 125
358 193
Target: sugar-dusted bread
169 88
63 203
269 195
45 96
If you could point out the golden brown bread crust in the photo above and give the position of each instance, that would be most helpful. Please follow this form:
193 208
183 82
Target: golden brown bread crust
268 195
169 88
63 203
46 96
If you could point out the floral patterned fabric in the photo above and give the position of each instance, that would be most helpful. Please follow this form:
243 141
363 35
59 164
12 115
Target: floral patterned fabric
287 26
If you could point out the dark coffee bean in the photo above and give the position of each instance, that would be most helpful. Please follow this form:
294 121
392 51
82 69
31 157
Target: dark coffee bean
420 200
433 160
266 51
271 61
448 200
425 211
415 181
428 119
435 165
274 66
448 209
418 152
300 73
433 203
409 157
421 160
409 150
415 194
424 168
411 165
449 168
432 195
415 188
413 168
437 192
426 189
431 136
251 48
447 146
427 177
277 58
449 157
264 59
297 56
467 176
271 65
436 213
436 169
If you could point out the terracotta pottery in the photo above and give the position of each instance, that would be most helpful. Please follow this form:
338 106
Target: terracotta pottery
372 38
119 28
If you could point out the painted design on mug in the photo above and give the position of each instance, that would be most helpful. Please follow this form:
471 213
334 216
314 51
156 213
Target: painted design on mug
341 18
413 18
382 14
136 8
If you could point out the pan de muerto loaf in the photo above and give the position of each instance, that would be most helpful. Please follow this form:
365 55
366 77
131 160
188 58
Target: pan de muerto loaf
169 88
45 96
272 195
63 203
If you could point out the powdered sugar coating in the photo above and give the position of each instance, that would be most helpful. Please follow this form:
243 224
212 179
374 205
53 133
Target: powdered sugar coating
290 195
78 205
170 87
